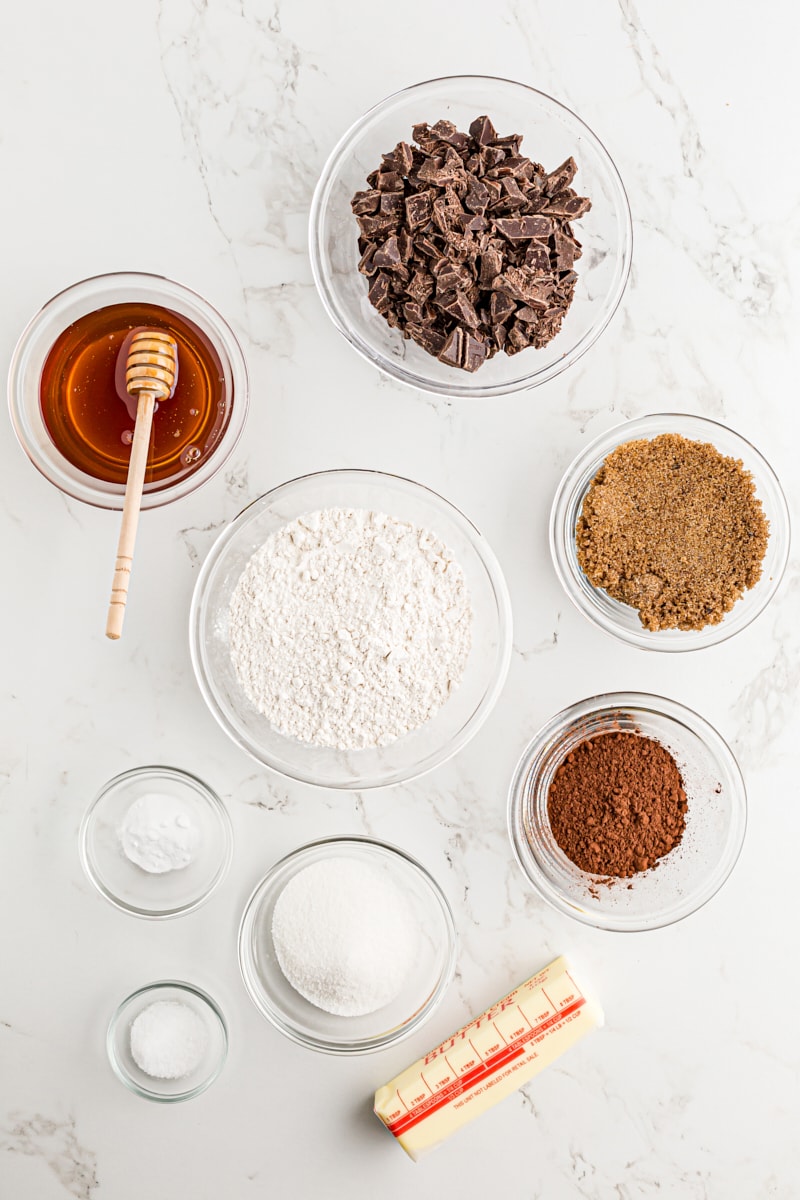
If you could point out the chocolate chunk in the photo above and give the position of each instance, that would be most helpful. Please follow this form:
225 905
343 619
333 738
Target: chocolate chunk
474 352
564 250
458 306
491 266
429 338
476 199
418 210
446 131
512 196
452 351
389 254
483 131
373 226
519 229
367 266
402 158
389 181
567 204
466 243
537 257
379 292
561 178
366 202
421 286
392 203
501 306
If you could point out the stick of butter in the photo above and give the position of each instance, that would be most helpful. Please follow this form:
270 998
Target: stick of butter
488 1059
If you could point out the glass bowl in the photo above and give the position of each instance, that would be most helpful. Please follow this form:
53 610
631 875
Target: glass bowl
167 1091
129 887
302 1021
621 620
551 133
457 720
68 306
683 880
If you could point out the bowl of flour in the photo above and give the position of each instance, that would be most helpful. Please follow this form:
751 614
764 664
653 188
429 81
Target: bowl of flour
351 629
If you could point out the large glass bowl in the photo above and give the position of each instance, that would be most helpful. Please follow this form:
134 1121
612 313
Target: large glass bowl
74 302
621 620
299 1019
683 880
457 720
551 133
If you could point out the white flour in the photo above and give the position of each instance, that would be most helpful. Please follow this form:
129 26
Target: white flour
349 628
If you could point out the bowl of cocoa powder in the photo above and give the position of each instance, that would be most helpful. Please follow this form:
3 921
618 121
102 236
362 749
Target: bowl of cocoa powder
670 532
627 811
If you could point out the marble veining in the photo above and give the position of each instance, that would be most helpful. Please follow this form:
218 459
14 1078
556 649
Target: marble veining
57 1145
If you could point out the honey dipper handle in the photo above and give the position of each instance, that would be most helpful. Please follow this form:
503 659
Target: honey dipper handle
130 514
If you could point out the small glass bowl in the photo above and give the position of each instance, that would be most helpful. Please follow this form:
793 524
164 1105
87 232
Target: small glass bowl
36 342
551 133
457 720
302 1021
621 620
167 1091
129 887
683 880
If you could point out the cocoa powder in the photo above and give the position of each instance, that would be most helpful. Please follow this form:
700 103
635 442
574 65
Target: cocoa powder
617 804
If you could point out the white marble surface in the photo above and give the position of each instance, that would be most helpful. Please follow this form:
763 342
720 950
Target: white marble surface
691 1091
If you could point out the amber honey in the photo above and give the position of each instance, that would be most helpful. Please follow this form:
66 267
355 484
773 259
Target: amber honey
91 419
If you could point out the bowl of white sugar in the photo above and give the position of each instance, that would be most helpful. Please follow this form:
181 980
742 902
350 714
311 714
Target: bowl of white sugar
351 629
347 945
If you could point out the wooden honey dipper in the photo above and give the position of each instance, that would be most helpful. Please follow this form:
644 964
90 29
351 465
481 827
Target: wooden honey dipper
150 373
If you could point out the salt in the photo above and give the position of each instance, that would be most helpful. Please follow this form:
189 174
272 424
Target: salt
168 1039
345 936
159 834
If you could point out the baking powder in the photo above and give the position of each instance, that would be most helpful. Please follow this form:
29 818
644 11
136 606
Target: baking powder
158 834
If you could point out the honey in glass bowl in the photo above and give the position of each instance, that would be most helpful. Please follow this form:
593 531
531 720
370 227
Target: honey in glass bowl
71 412
89 415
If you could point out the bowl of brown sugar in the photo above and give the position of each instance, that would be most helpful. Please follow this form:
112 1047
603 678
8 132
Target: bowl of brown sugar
670 532
627 811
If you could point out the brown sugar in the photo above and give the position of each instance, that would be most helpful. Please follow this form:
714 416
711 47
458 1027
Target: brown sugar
673 528
617 804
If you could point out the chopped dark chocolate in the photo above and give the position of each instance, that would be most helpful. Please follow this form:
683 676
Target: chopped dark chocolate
467 244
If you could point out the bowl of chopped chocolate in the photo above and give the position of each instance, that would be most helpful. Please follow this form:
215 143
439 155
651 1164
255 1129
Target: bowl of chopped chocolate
627 811
470 236
670 532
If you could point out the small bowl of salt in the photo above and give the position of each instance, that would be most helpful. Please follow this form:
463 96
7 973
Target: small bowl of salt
167 1041
156 842
347 945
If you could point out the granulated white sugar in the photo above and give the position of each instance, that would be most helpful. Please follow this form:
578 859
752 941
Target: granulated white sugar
345 936
349 628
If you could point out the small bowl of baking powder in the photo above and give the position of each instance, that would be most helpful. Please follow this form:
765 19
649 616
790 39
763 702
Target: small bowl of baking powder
351 629
156 842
